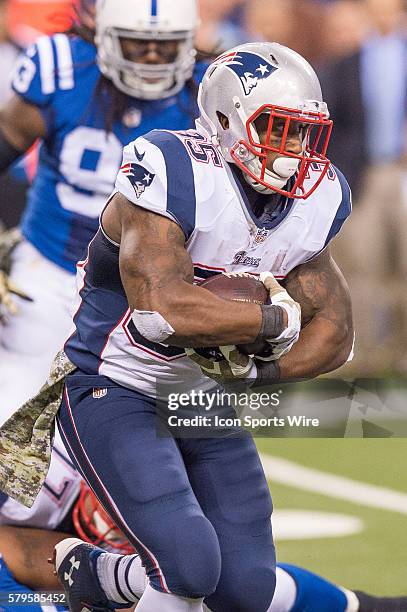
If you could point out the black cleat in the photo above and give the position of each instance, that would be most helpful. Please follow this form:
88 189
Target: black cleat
75 565
370 603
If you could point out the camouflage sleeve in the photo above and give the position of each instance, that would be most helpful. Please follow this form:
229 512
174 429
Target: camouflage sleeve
26 437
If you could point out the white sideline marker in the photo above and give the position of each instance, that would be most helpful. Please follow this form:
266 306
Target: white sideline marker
292 524
292 474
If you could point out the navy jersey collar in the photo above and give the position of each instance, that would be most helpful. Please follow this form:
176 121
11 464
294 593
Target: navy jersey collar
285 203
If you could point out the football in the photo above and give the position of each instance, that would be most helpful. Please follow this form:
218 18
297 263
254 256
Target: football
237 288
242 288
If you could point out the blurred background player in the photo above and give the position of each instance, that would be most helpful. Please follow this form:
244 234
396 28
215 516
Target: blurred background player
67 507
12 188
28 19
84 100
369 145
22 21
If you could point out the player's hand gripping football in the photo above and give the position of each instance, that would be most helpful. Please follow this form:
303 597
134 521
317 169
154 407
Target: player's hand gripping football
280 297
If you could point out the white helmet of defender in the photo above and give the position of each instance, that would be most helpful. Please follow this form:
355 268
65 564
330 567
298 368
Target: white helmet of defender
146 20
271 80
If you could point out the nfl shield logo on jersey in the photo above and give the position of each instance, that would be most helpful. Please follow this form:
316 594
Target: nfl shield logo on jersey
132 117
99 393
261 236
249 67
138 176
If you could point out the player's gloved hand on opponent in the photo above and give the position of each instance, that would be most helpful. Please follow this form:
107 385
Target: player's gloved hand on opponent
8 290
281 344
234 367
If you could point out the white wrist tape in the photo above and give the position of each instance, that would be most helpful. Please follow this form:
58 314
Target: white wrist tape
152 325
280 297
293 311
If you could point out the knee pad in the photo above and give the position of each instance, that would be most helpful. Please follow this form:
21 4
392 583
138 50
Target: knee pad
197 562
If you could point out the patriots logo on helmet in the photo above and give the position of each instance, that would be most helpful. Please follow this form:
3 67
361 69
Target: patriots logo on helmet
249 67
138 176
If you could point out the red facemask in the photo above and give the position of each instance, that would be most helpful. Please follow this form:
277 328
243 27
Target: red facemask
93 525
316 138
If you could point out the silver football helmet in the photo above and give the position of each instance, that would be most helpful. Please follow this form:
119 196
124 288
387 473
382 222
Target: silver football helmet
275 82
146 21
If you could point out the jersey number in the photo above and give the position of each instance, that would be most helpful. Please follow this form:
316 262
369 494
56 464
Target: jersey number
316 167
201 150
89 160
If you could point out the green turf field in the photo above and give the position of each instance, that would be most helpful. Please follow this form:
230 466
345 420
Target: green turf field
375 559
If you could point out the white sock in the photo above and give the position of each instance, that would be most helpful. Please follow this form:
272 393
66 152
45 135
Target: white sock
122 577
153 600
285 593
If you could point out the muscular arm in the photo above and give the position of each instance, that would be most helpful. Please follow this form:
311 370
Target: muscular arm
21 124
157 275
327 335
25 552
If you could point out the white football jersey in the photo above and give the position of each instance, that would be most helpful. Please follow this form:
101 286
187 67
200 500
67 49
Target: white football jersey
60 490
182 176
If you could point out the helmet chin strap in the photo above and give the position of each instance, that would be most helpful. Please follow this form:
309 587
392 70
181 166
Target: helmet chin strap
151 91
283 169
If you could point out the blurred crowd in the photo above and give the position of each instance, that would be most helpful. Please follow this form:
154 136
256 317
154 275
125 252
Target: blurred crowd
359 49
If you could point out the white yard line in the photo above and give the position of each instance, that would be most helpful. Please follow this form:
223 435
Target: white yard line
309 479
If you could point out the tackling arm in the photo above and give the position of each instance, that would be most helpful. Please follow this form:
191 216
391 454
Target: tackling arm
25 552
21 124
326 337
157 275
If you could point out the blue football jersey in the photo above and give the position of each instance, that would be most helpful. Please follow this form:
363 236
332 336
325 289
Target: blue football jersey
79 159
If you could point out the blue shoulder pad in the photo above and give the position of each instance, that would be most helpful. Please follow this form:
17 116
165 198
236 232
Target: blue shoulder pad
181 197
43 69
344 208
199 71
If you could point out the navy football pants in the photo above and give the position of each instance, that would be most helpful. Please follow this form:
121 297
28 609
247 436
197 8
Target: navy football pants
197 510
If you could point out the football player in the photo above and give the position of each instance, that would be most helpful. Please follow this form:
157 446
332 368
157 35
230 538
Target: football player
249 191
84 97
66 506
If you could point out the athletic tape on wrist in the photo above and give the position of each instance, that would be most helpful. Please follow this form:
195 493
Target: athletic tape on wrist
268 372
272 324
152 325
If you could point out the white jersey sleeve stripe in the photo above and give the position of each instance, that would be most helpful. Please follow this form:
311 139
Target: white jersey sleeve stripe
47 65
64 62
